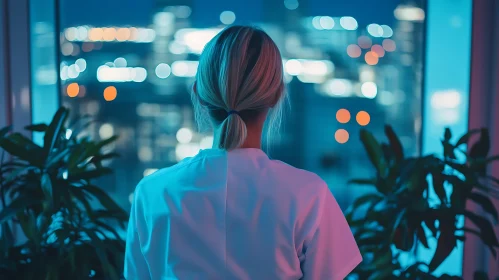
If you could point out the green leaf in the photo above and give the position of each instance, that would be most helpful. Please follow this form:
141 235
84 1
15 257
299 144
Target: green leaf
28 225
386 273
57 158
42 222
6 240
461 238
17 205
479 235
89 174
77 154
368 182
102 197
106 142
99 158
384 259
491 159
403 237
54 130
485 203
374 152
84 199
72 259
93 149
421 235
37 127
4 131
429 221
447 134
480 275
100 250
369 240
419 205
488 235
466 137
108 228
80 126
445 244
460 192
438 186
14 174
460 167
417 183
366 199
118 215
63 234
395 144
449 150
22 147
481 148
398 220
46 184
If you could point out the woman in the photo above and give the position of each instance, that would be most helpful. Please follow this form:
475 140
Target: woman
230 212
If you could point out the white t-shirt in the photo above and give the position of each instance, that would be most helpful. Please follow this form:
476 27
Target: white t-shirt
237 215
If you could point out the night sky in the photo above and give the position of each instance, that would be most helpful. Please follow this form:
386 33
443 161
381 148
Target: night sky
206 12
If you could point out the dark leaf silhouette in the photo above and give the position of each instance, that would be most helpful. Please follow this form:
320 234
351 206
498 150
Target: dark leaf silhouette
418 198
47 193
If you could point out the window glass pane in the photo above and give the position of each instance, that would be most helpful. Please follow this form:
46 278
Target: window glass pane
43 57
349 65
447 84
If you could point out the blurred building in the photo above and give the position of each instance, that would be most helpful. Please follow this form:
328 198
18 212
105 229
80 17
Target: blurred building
136 80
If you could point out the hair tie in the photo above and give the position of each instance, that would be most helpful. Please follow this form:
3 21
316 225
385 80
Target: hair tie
233 112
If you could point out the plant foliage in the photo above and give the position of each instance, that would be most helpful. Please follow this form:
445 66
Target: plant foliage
69 224
416 199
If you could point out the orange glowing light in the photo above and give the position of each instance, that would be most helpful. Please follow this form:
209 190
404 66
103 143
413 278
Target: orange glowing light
109 34
354 51
341 136
123 34
110 93
96 34
73 89
363 118
378 49
371 58
389 45
343 116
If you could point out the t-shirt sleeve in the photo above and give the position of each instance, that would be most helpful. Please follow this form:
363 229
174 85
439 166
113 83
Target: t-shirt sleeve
136 267
330 250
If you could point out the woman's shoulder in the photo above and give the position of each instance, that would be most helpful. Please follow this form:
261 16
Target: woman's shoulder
298 178
165 174
294 172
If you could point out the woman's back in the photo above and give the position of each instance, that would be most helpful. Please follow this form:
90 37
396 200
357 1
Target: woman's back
237 215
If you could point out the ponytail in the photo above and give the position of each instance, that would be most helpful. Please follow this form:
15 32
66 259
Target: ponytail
232 131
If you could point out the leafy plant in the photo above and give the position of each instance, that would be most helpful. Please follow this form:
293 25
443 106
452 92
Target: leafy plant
48 192
401 214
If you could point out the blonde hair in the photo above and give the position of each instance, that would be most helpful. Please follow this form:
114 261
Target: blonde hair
240 75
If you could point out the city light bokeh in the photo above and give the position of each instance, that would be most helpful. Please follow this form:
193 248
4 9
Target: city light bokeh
345 69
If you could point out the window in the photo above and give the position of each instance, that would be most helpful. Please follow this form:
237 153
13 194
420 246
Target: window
348 65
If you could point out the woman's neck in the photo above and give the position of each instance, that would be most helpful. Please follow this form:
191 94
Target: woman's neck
253 138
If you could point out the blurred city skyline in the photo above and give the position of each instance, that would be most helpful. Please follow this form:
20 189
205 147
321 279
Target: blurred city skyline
347 65
132 12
